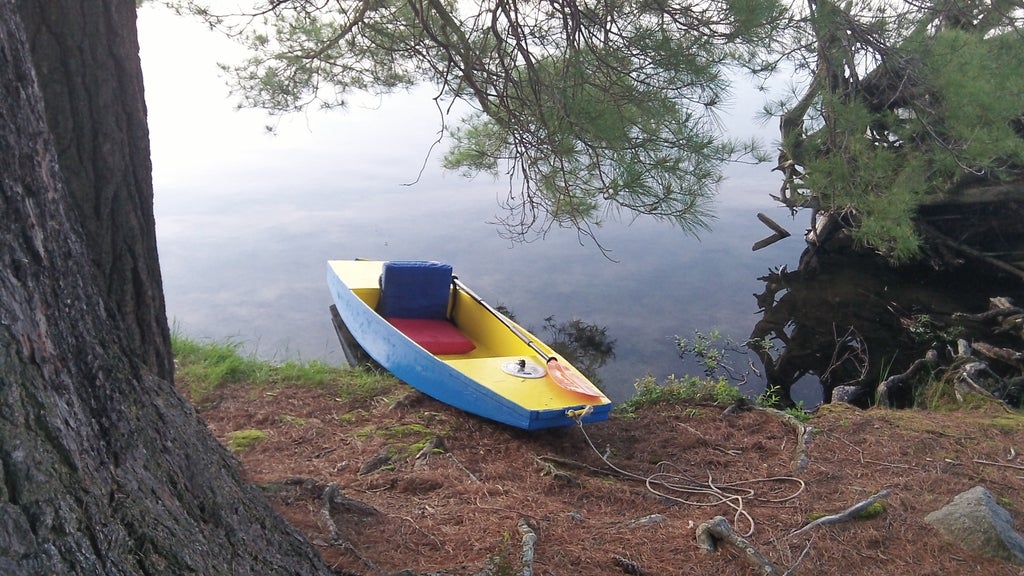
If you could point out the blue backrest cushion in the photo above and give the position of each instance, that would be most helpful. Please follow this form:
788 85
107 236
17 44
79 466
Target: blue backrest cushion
415 289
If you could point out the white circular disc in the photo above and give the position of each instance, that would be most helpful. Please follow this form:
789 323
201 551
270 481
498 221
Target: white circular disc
524 369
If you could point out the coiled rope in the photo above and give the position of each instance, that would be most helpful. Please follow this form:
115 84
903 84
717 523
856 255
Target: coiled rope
677 486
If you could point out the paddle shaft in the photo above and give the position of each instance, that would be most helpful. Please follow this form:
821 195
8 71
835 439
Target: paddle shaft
562 377
508 323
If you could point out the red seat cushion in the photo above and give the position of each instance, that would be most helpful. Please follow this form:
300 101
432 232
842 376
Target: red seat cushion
435 336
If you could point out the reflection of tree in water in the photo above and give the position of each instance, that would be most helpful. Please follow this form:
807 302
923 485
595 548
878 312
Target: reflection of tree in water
845 320
584 345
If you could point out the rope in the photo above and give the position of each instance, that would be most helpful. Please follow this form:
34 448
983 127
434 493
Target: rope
675 485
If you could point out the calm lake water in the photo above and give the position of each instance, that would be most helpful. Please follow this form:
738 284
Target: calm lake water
246 222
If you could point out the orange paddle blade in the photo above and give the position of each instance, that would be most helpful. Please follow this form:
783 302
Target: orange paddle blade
571 381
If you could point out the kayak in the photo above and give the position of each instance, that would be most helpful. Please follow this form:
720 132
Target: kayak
422 324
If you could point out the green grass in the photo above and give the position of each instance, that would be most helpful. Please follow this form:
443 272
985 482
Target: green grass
202 367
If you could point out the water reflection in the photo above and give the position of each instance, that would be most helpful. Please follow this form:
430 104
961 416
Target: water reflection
586 346
583 344
246 222
844 319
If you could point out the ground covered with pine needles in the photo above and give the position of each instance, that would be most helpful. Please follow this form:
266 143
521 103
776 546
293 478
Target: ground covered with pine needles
394 481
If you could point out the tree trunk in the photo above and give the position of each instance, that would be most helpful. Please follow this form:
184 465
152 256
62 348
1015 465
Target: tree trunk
104 469
86 57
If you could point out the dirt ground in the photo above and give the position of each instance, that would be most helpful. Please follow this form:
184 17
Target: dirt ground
406 483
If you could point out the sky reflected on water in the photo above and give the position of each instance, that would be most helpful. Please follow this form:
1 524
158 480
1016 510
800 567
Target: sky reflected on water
247 220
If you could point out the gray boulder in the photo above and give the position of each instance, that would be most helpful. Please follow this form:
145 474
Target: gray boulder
974 521
847 394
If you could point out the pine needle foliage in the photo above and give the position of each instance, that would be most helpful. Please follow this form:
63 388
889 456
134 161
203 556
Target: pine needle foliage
588 108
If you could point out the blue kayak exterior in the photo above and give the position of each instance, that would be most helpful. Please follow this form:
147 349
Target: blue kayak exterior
431 375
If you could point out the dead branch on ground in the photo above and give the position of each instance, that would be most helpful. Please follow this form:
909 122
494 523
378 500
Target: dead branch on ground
850 348
1003 464
850 513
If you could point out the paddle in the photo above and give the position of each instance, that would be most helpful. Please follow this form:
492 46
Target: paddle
562 376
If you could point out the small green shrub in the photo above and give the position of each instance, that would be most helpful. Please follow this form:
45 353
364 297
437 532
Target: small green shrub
505 560
675 390
799 413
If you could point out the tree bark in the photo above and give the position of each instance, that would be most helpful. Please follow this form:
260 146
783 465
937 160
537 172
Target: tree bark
86 57
104 469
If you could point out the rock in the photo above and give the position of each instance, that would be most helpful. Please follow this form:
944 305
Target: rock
846 394
974 521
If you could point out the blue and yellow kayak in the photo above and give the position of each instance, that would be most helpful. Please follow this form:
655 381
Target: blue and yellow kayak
423 325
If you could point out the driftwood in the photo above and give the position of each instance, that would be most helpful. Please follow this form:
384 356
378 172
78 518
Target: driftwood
717 530
779 233
989 314
1006 355
850 513
968 378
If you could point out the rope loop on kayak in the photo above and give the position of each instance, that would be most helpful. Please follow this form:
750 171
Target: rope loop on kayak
579 414
672 483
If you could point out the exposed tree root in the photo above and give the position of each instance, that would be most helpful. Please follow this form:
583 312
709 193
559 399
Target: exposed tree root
550 469
628 566
330 498
887 385
528 543
716 530
581 465
1006 355
803 437
971 252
